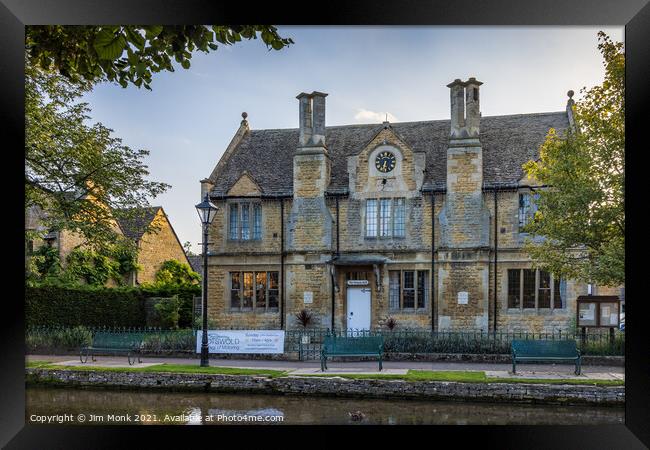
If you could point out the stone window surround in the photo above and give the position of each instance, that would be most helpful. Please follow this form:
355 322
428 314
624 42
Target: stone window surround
254 309
536 310
427 290
251 220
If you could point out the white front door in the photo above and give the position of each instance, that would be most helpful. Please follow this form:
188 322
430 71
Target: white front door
358 308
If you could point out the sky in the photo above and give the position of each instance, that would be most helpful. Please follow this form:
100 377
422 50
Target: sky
370 73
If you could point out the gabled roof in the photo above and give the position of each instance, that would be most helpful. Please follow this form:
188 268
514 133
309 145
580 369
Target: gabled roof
508 142
196 262
135 224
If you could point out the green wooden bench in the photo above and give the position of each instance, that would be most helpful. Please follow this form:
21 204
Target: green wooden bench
113 343
545 350
351 346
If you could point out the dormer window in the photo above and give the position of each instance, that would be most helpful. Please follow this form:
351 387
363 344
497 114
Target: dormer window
245 221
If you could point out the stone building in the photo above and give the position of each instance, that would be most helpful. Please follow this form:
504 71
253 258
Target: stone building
156 241
149 228
416 221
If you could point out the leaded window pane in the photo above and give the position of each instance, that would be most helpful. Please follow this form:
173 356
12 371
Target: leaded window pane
257 221
245 222
544 292
260 290
371 218
394 288
234 219
529 288
273 289
399 228
384 217
248 290
409 289
558 295
514 280
423 288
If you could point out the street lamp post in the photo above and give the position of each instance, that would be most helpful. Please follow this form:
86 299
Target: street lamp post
207 210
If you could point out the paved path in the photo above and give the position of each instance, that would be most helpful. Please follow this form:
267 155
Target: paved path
365 367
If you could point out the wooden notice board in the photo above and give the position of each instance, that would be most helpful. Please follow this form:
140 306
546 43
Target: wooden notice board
598 311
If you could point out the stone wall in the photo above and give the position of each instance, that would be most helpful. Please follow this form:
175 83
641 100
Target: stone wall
158 246
326 386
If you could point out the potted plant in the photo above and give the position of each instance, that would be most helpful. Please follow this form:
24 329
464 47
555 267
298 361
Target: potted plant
304 318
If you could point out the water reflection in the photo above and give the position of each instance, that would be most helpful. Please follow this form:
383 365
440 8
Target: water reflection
192 408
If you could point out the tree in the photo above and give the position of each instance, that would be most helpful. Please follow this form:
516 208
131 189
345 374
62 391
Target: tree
582 214
174 273
187 245
80 175
131 54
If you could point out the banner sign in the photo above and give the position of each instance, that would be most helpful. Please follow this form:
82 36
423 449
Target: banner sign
243 341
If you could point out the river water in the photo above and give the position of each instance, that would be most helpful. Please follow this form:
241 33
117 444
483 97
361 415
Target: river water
97 406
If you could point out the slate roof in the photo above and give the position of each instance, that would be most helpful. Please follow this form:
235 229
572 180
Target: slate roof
137 221
196 262
508 142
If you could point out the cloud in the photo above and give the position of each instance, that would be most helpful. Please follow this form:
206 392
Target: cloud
364 115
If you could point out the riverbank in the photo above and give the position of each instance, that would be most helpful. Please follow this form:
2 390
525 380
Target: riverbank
366 386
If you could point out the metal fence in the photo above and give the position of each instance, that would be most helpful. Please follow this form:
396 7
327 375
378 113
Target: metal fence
307 343
155 340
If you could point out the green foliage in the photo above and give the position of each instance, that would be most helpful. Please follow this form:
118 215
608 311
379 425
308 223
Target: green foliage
97 267
54 305
170 341
43 264
582 215
57 304
168 311
90 267
78 174
53 339
175 273
132 54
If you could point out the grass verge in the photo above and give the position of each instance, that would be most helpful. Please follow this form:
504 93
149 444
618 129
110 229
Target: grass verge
470 377
166 368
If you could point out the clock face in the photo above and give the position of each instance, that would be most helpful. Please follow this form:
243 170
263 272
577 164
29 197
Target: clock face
385 162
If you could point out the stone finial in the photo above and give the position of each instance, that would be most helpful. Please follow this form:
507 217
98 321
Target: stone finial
244 116
570 102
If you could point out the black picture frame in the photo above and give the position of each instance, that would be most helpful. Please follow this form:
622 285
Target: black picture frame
634 14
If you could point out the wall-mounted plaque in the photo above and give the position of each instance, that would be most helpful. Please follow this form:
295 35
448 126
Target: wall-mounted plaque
463 298
308 297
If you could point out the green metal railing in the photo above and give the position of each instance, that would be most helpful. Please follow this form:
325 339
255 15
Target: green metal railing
306 344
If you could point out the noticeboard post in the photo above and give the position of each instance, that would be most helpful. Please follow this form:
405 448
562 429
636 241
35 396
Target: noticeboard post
598 311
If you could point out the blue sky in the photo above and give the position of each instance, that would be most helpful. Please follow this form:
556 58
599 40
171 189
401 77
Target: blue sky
188 119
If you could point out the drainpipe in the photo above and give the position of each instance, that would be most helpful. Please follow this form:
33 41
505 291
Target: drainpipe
496 240
333 272
281 263
433 255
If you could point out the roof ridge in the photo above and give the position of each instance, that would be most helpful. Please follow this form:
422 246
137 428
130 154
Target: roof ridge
330 127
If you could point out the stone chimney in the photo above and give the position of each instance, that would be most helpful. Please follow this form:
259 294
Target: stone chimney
465 108
309 222
472 107
457 91
312 119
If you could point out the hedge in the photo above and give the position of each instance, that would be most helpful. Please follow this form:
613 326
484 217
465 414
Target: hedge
97 307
